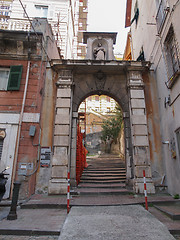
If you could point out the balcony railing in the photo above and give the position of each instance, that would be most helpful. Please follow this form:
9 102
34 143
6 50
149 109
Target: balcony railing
162 15
14 24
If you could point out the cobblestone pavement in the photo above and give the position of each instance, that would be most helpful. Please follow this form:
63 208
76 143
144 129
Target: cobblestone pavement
10 237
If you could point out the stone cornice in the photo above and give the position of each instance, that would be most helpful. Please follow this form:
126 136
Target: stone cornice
19 57
58 64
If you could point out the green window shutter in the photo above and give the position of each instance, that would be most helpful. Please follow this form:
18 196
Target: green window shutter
136 16
14 78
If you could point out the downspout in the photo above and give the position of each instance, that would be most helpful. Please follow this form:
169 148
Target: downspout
19 126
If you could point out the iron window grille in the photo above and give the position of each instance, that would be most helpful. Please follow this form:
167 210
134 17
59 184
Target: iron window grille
162 15
178 140
172 57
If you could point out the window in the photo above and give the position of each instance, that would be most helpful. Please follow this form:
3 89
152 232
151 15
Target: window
178 140
5 10
10 78
41 11
108 99
4 76
163 9
96 98
172 57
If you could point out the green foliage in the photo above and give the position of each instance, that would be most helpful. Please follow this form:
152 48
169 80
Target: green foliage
176 196
112 126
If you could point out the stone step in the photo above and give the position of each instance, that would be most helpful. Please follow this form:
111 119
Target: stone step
105 163
97 177
171 210
105 170
102 191
107 185
105 175
103 181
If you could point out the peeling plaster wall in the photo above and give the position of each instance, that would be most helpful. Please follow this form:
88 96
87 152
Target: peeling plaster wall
145 34
154 134
47 126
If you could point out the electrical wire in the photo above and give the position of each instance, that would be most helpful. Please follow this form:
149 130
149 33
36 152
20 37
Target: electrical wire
33 28
38 158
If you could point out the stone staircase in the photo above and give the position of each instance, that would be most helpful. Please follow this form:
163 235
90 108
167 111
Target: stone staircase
104 175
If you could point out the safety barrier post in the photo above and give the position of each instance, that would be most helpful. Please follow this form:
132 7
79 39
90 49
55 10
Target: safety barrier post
145 191
68 193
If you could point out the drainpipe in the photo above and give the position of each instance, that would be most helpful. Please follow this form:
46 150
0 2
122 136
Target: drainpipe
19 126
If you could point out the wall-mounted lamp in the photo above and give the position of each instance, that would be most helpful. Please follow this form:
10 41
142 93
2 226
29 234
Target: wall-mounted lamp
165 142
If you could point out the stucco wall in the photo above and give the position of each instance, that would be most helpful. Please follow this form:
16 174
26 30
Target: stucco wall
144 34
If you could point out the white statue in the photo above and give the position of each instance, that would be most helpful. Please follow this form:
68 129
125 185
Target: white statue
99 52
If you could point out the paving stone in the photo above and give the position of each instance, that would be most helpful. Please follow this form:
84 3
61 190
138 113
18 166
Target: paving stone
39 220
10 237
113 222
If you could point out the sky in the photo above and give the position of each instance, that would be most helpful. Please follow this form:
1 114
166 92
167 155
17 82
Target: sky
108 16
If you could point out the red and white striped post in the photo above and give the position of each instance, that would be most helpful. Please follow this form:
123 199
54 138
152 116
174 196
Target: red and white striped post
68 193
145 190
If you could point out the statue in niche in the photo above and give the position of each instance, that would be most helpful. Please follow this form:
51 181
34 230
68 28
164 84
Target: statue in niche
99 52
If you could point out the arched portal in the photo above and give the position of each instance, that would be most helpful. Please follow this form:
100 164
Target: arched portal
100 119
78 79
103 82
101 130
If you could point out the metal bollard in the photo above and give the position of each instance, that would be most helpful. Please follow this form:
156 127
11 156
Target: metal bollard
68 193
12 213
145 191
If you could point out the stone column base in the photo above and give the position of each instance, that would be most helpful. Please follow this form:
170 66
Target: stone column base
138 185
73 183
57 186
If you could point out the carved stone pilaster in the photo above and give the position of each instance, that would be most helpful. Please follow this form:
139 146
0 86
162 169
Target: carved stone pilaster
62 134
128 147
139 133
73 149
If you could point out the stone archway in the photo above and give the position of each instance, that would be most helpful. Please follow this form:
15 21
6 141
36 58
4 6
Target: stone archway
77 79
122 80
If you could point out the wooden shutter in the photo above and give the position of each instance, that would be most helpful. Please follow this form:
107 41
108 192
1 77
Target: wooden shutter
14 78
